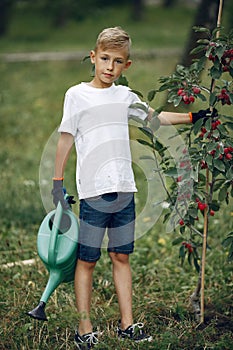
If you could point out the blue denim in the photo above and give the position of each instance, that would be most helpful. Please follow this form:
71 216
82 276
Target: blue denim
112 211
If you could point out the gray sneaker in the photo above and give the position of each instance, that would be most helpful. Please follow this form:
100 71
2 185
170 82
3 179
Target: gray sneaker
85 341
134 332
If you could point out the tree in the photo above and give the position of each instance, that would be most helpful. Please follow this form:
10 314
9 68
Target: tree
205 16
137 9
5 7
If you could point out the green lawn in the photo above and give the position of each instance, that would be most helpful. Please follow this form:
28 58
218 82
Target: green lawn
31 96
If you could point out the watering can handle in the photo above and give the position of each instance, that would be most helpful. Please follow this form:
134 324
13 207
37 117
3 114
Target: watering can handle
54 235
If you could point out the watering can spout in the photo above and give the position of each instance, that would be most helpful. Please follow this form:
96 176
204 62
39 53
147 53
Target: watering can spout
39 312
57 243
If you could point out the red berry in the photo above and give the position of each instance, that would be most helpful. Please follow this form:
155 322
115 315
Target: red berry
203 165
196 90
213 152
180 92
212 212
191 99
202 206
228 156
185 98
181 222
179 179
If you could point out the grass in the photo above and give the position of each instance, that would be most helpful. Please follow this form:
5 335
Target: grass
31 107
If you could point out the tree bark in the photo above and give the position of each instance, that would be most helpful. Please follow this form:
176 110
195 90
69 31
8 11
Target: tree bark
206 17
137 9
5 6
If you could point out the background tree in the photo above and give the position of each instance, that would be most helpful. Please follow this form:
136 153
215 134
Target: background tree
5 9
205 16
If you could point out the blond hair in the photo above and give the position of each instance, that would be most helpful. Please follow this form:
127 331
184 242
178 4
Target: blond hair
113 38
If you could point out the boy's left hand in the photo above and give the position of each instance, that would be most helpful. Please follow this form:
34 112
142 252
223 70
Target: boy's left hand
204 114
59 195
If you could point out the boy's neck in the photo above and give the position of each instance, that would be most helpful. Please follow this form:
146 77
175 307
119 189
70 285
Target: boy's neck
99 85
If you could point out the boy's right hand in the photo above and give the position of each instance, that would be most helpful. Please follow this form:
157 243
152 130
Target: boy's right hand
58 195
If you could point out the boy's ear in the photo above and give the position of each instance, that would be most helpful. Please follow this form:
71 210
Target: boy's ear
128 64
92 56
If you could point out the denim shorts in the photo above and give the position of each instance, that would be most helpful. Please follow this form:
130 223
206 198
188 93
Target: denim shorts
114 212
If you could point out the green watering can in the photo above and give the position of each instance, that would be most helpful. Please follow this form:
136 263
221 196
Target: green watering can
57 243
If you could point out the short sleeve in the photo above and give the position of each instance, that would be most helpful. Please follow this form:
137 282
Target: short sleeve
137 107
69 119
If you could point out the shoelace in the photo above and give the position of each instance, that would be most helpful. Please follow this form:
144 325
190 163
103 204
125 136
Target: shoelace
138 325
92 337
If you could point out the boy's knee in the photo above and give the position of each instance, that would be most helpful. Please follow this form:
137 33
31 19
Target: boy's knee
88 265
119 257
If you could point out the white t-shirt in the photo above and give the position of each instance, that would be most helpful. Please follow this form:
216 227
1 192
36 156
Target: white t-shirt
98 120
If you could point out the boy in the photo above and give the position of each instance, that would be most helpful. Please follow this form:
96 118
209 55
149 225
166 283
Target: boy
96 119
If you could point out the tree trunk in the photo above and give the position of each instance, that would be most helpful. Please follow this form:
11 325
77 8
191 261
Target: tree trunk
168 3
5 6
137 10
206 17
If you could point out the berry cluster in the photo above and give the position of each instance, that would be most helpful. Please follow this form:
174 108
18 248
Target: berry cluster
202 206
225 60
187 95
214 126
188 246
224 97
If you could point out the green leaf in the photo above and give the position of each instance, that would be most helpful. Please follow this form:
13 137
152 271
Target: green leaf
190 256
177 241
166 217
229 125
137 92
139 105
155 123
219 165
196 264
182 252
137 119
151 95
209 160
231 97
229 174
158 146
144 142
208 124
122 80
146 158
215 205
201 29
203 41
227 241
197 126
147 131
177 100
222 129
210 147
171 172
198 49
212 99
222 194
215 73
193 212
202 97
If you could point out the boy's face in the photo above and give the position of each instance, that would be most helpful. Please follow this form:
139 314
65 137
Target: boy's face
109 64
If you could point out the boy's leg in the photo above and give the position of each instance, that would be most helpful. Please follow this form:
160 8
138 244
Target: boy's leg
83 291
123 283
